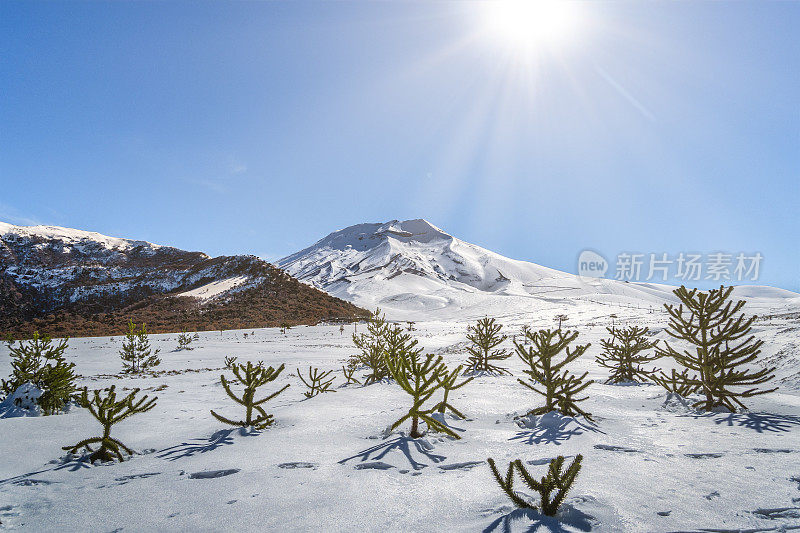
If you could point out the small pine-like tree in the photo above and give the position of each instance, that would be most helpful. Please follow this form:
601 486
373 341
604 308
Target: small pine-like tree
623 354
348 372
109 411
448 380
230 361
136 354
285 326
554 481
41 363
525 329
316 383
560 319
372 344
679 385
252 377
185 340
556 383
419 376
721 347
485 337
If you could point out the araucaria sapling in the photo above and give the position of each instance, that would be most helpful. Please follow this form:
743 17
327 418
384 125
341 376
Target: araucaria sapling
136 353
625 353
348 371
184 340
554 481
109 411
371 344
485 337
316 383
721 347
419 376
548 376
40 362
448 380
252 377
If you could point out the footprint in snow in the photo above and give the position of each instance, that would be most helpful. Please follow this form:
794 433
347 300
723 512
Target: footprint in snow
211 474
613 448
704 455
136 476
298 464
30 482
374 465
467 465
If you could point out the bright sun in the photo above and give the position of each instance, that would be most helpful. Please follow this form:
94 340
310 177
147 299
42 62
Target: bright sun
534 24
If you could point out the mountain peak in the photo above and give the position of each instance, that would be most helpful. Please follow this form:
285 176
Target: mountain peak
71 236
366 236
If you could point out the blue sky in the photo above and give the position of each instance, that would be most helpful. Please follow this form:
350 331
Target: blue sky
259 127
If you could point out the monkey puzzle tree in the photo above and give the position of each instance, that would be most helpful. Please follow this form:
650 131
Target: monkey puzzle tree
560 319
448 380
348 372
556 383
372 344
109 411
184 340
485 337
623 354
39 362
721 346
419 376
679 385
136 353
316 383
252 377
554 480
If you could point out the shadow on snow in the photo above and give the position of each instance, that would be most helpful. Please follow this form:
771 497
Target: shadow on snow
539 523
553 431
403 444
758 422
220 438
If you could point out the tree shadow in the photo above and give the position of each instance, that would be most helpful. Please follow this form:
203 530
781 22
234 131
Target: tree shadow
552 430
403 444
220 438
71 463
758 422
74 465
540 523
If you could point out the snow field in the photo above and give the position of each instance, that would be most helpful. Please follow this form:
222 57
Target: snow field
326 465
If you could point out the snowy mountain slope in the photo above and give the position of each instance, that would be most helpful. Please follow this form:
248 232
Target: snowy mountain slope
414 269
46 270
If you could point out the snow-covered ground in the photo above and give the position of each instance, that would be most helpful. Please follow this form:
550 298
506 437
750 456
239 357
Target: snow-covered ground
326 466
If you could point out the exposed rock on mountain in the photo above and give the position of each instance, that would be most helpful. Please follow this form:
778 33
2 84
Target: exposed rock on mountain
65 281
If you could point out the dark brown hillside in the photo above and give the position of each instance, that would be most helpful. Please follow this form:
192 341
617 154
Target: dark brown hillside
68 283
294 303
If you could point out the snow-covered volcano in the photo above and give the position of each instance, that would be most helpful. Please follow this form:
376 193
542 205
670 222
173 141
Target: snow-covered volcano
413 267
